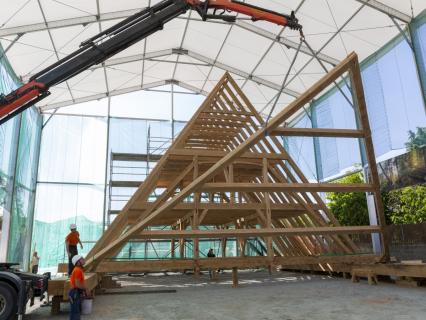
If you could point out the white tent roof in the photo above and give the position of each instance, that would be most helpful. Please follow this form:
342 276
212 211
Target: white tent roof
193 53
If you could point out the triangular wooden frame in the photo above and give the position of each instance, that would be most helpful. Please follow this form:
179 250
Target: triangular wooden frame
227 154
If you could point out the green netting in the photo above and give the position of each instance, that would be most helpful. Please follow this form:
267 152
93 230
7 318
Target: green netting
49 239
24 187
19 141
9 133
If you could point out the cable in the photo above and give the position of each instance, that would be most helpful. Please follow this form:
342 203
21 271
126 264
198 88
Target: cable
302 38
15 13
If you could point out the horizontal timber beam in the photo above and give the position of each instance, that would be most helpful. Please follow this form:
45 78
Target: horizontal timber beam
230 206
286 187
220 154
227 263
244 233
317 132
399 270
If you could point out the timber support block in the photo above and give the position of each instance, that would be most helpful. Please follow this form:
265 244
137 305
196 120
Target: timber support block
56 305
234 277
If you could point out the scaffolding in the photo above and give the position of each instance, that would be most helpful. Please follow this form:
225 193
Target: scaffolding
128 170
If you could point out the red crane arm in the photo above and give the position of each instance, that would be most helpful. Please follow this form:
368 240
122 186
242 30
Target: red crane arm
122 35
256 13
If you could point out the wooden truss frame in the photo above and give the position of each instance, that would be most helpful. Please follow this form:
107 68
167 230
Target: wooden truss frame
229 170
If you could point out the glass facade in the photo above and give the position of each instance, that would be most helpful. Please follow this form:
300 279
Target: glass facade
395 105
19 155
73 186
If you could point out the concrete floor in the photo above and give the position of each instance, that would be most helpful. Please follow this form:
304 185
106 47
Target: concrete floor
283 296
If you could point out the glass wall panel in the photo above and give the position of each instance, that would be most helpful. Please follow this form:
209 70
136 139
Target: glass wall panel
185 105
71 185
9 133
19 146
178 126
24 188
393 95
59 205
79 146
128 135
334 155
143 104
302 150
395 106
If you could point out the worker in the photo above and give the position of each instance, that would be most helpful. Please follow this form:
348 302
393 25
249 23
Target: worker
78 287
71 241
34 262
211 254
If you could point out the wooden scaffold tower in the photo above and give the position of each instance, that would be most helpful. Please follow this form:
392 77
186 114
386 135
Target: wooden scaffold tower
227 175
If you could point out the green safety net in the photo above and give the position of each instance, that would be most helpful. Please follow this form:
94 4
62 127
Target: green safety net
19 148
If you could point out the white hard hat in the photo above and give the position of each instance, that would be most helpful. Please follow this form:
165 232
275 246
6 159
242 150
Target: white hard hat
76 259
73 226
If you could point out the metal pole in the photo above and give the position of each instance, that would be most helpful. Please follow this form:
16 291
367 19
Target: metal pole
422 80
105 211
32 205
173 112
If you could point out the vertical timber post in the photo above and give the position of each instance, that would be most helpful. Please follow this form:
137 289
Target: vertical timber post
234 277
195 221
355 74
268 225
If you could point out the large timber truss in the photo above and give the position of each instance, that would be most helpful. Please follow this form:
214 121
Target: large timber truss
228 170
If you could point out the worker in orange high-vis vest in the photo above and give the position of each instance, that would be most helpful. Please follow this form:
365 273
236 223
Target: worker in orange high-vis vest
71 241
78 287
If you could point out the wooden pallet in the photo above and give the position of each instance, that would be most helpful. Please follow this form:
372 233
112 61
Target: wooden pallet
410 273
364 272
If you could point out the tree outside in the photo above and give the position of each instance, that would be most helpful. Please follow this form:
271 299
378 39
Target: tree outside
406 205
416 140
402 206
350 208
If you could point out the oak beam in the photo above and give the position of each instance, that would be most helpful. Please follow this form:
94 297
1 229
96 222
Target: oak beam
286 187
245 233
228 263
317 132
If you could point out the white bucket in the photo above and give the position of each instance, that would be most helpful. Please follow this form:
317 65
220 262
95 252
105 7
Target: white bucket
86 306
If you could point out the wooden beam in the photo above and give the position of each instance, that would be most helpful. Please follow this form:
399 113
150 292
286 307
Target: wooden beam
245 233
234 277
221 154
362 118
228 263
398 270
317 132
227 206
286 187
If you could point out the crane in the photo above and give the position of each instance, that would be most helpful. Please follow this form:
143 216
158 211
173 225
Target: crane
117 38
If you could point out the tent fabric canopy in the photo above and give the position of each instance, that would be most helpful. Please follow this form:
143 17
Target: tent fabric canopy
195 54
